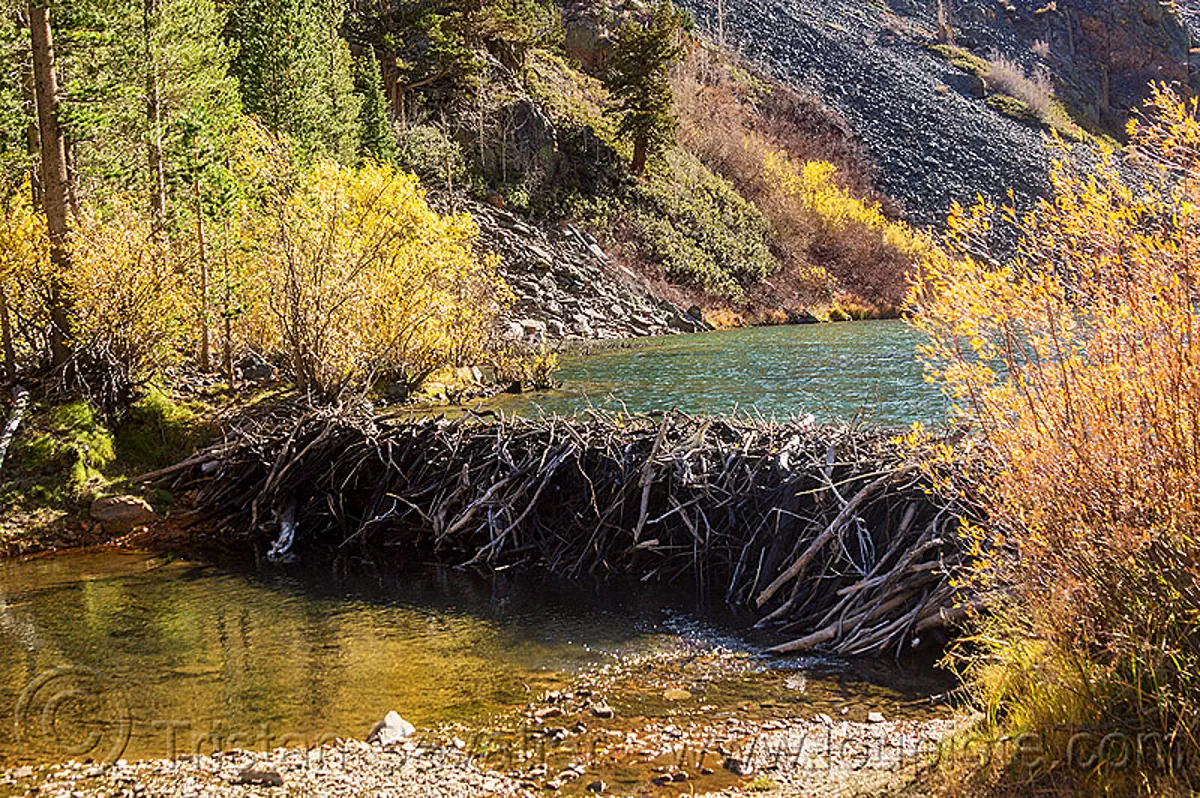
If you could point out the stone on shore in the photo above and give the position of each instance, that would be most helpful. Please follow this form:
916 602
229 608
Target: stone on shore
391 730
122 513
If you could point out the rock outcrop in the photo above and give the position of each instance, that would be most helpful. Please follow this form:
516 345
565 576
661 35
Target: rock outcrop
567 287
1103 53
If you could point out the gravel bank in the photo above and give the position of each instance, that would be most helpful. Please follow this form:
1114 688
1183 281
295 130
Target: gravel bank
788 758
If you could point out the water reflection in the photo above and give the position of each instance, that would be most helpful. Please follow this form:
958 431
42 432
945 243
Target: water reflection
214 653
152 656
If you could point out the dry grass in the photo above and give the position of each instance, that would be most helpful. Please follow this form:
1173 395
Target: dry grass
1034 88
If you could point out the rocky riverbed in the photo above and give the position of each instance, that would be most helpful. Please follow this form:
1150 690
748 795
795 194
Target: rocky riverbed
700 720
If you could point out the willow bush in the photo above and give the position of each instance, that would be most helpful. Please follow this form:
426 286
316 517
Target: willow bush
341 275
359 278
1078 363
126 292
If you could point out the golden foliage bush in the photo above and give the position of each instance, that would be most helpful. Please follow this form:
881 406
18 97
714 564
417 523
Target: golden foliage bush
125 291
790 156
359 278
24 263
1077 364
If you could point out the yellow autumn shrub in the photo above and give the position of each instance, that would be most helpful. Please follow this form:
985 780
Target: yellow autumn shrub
1077 363
815 184
358 278
24 267
125 291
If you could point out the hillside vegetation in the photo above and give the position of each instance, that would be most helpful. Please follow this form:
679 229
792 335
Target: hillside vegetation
547 135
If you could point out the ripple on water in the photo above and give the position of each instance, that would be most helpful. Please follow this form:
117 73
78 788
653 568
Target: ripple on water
837 372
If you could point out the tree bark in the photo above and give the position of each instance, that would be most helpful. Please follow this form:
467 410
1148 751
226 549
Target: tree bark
158 181
55 182
226 314
6 340
640 148
33 143
205 345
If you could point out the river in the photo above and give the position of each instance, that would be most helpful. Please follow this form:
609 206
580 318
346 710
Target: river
146 655
839 373
139 655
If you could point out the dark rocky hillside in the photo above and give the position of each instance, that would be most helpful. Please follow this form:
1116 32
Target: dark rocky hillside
934 137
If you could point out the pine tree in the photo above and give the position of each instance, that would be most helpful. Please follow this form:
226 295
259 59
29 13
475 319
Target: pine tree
294 71
638 79
376 140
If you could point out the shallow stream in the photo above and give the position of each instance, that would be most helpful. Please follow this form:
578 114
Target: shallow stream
141 655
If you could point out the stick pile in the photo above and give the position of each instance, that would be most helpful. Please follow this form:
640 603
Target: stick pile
833 535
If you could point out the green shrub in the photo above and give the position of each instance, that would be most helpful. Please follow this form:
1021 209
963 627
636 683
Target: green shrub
434 157
158 431
700 230
1013 108
960 58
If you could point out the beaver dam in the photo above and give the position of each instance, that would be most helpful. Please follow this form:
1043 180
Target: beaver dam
833 536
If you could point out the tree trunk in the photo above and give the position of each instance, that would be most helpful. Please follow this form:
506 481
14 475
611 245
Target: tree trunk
227 313
640 147
158 182
54 176
205 356
6 340
33 144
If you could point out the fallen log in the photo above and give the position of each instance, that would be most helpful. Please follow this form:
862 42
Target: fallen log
15 416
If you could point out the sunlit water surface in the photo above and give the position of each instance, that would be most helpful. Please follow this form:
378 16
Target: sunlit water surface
181 657
860 371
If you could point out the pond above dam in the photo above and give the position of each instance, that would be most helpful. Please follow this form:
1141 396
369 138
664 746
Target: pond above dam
839 373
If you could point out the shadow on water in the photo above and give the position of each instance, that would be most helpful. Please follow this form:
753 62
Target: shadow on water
194 658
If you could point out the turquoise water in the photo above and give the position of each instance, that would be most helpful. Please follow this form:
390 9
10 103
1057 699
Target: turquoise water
860 371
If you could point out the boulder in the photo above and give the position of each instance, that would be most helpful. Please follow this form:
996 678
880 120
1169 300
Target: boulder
253 367
122 513
802 317
602 710
581 326
533 330
391 730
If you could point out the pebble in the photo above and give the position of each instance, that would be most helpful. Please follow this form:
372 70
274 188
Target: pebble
603 710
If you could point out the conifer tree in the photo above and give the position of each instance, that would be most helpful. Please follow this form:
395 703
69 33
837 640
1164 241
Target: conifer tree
293 68
376 140
639 64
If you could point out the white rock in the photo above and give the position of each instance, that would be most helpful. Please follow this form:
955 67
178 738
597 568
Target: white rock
391 730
